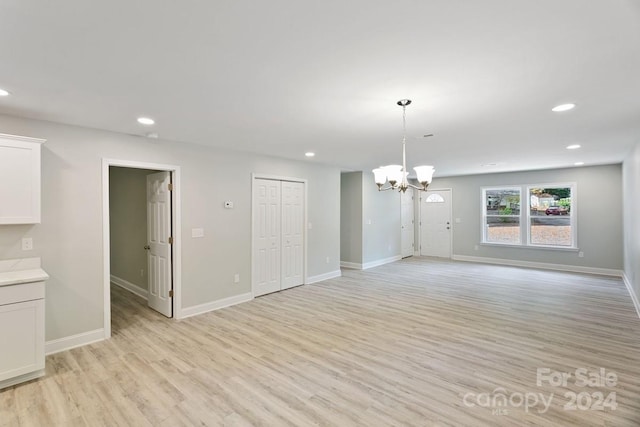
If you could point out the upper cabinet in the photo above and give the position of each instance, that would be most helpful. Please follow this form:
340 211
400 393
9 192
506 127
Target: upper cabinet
19 179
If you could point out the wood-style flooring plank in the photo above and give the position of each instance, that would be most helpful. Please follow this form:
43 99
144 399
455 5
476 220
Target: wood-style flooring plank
397 345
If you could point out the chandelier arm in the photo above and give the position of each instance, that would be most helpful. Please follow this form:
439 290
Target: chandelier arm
421 188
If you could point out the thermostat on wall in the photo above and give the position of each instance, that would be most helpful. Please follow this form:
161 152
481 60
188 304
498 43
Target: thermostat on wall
228 205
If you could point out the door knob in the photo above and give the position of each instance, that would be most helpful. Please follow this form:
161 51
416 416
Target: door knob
147 247
448 228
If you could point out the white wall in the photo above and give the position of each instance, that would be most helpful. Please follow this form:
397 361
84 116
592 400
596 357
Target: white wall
69 239
599 215
631 198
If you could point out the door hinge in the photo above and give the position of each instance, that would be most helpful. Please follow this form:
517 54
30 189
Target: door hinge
171 293
170 187
171 240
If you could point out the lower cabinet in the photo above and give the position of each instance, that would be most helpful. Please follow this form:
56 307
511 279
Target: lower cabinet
21 333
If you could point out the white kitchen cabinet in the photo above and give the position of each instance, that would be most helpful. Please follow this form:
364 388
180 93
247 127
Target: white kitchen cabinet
21 321
19 179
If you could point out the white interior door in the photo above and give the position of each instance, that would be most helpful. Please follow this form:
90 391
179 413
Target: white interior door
435 223
407 222
267 236
292 233
159 246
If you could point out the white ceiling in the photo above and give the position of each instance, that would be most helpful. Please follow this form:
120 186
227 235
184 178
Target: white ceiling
283 77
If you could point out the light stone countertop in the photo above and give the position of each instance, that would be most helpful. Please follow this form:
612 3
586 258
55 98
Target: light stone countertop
16 271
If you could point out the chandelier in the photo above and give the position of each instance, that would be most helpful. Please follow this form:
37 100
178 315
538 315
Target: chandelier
396 175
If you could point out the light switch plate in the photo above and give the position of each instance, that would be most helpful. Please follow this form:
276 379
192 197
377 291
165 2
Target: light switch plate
197 232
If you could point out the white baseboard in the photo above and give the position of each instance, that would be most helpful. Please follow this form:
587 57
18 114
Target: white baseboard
321 277
73 341
371 264
540 265
380 262
142 293
215 305
634 297
352 265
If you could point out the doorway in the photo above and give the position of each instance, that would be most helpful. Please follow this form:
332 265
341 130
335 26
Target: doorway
435 223
407 222
141 234
278 234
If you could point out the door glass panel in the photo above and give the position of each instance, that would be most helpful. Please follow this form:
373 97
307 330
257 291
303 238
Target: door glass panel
435 198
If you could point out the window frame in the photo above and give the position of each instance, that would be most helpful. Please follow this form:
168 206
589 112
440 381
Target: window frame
525 216
485 228
572 216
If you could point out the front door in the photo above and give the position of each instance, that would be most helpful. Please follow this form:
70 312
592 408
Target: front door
435 223
159 244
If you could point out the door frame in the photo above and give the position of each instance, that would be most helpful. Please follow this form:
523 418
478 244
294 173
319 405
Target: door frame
423 193
176 253
255 176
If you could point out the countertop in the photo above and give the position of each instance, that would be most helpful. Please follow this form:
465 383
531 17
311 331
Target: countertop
16 271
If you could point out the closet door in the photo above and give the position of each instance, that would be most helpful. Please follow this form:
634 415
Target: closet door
267 236
292 233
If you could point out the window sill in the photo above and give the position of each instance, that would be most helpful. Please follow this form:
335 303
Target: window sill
548 248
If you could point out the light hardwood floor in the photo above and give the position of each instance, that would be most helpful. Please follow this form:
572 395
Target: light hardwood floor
401 344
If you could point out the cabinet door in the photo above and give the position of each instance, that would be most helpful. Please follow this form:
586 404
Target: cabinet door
22 338
19 180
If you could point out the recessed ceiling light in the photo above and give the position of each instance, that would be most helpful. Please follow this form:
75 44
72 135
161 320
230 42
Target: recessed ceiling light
573 146
563 107
4 92
146 121
309 154
579 163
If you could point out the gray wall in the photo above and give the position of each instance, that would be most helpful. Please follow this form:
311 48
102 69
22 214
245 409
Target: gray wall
370 220
351 217
631 193
69 239
381 232
128 224
599 215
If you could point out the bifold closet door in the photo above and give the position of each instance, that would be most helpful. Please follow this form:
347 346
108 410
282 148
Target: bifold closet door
267 236
278 229
292 233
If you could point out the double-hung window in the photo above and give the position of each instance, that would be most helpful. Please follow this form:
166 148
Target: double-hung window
530 215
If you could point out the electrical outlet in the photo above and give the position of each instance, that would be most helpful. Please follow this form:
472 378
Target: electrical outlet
328 259
476 247
142 272
236 278
27 243
580 254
